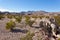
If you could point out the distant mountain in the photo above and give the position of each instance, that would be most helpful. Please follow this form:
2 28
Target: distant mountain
30 12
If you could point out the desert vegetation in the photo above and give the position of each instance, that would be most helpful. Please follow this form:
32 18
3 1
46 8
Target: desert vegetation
28 27
10 25
9 16
1 16
28 21
57 18
59 39
18 19
28 36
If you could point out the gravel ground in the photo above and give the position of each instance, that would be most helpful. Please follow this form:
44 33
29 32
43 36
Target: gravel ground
5 35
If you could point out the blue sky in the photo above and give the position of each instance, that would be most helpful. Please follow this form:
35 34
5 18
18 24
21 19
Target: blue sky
30 5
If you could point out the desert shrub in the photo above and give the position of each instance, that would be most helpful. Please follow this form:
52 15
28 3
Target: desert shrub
58 38
1 16
41 17
28 36
30 23
27 19
34 16
47 16
10 25
18 19
13 16
9 16
57 19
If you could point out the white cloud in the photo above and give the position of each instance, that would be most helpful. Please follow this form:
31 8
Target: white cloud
3 10
9 10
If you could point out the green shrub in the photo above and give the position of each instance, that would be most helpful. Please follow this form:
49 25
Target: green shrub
30 23
57 18
28 36
47 16
18 19
10 25
41 17
59 39
27 19
1 16
34 16
9 16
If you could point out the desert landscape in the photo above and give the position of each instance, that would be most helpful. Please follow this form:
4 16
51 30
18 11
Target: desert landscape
29 19
29 26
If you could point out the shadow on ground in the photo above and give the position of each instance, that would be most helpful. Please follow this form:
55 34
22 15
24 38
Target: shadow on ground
35 27
19 30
